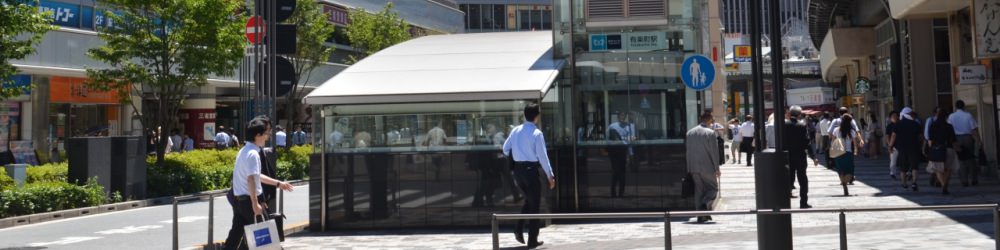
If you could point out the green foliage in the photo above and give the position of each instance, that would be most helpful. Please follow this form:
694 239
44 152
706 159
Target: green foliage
161 49
44 197
205 170
370 33
5 181
22 28
311 48
52 172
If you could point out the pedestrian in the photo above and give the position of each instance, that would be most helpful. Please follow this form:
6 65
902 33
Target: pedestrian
247 194
280 138
835 124
924 147
890 130
221 138
824 132
234 141
299 136
966 133
526 145
177 140
188 143
769 131
620 134
906 140
941 153
721 132
849 137
703 164
796 141
747 145
737 138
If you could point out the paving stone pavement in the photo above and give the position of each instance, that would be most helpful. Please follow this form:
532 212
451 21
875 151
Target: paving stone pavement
878 230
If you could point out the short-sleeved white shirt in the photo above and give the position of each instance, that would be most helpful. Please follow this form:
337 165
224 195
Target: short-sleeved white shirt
963 122
247 164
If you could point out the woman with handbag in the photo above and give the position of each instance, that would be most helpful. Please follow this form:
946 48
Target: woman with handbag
844 147
941 153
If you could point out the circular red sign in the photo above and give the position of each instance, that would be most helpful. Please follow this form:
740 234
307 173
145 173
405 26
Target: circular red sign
256 29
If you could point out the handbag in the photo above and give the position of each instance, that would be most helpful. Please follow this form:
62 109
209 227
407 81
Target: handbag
687 186
262 235
837 148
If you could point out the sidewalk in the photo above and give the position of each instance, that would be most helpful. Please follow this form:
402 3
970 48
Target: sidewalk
885 230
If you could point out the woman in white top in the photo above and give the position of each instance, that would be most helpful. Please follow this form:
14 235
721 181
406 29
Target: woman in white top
734 130
845 163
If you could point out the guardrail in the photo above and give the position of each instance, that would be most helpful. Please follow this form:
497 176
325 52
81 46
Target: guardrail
668 214
211 211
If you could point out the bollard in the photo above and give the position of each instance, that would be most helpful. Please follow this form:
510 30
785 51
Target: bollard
996 226
667 241
843 231
496 232
176 245
211 221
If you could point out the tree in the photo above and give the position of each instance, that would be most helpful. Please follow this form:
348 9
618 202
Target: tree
312 33
370 33
21 28
161 49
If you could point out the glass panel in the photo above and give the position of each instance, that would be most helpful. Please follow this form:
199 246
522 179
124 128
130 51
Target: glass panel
941 50
547 20
474 17
487 16
465 9
943 78
499 17
524 18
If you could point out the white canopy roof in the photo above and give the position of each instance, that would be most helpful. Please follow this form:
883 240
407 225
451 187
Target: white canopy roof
445 68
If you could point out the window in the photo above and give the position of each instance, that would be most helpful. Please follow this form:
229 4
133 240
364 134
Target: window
524 18
499 17
487 16
475 13
465 9
547 20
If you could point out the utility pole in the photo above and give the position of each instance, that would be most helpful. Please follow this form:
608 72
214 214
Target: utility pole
771 165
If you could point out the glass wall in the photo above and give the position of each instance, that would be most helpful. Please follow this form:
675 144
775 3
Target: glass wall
504 17
399 165
631 109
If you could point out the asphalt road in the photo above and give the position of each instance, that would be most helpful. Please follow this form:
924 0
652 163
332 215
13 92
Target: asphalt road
143 228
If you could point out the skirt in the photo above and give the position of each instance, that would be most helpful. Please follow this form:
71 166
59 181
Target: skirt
845 164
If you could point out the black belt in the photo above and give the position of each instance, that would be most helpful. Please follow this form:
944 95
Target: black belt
526 164
247 197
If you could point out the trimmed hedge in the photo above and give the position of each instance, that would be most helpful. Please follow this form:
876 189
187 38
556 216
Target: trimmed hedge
52 172
5 181
204 170
41 197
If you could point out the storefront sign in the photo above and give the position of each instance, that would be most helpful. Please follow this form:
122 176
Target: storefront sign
862 85
810 96
24 152
605 42
73 90
647 41
199 124
636 41
971 74
62 14
986 27
742 53
336 14
698 72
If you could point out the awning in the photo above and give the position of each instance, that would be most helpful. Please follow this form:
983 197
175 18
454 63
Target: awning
448 68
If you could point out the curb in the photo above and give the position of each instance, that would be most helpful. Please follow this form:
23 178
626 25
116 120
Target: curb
100 209
289 231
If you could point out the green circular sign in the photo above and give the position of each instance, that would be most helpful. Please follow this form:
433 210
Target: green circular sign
862 85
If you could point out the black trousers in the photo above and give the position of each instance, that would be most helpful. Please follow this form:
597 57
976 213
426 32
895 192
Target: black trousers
242 216
797 165
619 161
526 176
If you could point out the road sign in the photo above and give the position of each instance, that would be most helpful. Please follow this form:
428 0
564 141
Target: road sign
284 72
742 53
256 29
698 72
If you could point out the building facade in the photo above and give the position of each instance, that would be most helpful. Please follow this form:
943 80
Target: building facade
60 106
506 15
910 54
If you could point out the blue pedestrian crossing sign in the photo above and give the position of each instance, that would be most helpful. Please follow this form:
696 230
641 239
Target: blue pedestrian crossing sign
698 72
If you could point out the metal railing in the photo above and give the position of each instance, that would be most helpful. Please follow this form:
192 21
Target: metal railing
666 216
211 211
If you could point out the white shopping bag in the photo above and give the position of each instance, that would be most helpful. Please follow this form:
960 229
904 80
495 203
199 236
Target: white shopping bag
262 235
